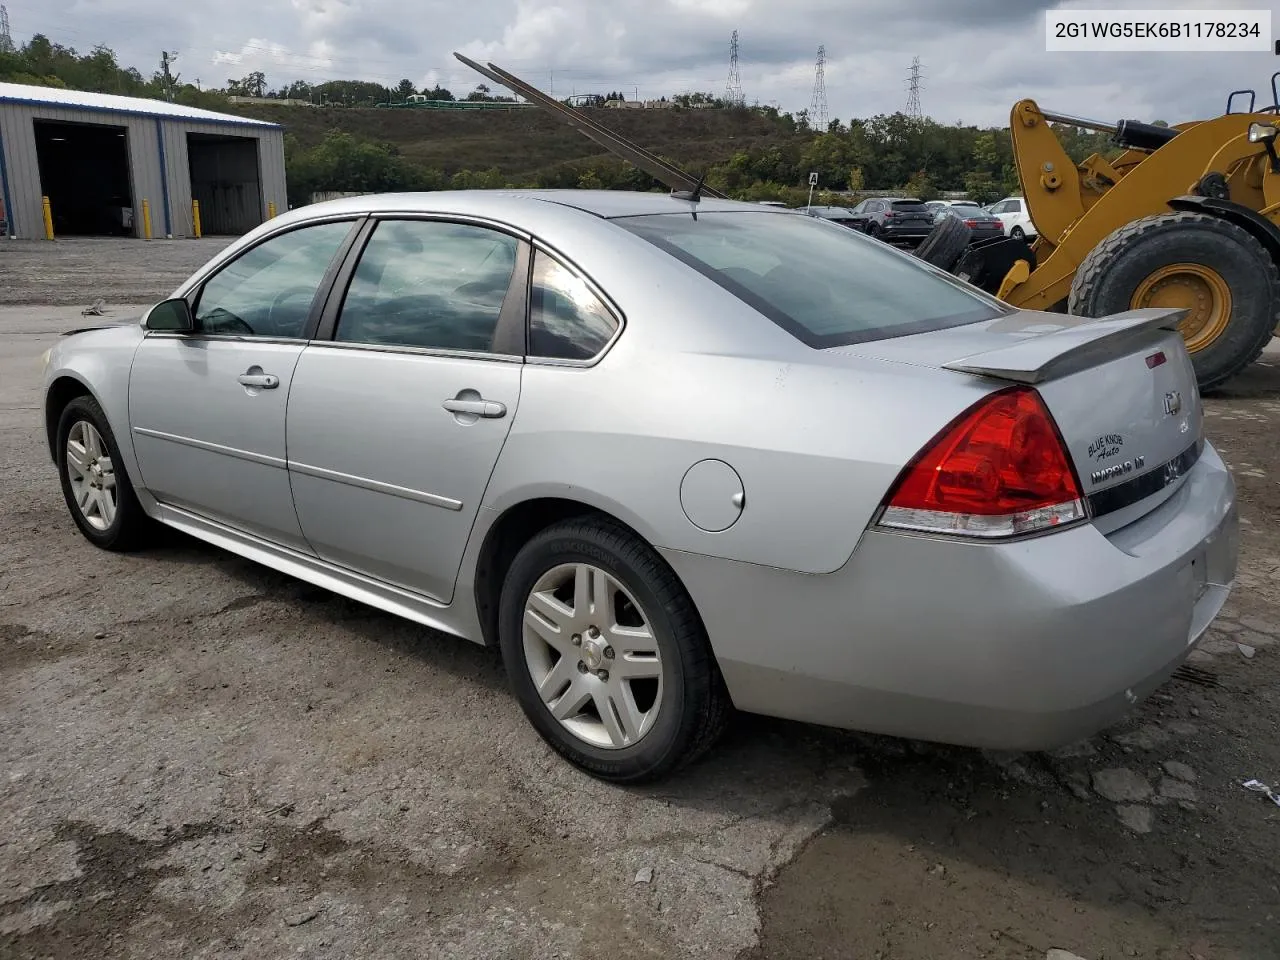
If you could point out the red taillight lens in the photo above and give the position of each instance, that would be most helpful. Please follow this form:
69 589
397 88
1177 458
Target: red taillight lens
998 470
973 223
889 213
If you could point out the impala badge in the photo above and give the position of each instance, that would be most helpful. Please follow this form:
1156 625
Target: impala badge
1172 403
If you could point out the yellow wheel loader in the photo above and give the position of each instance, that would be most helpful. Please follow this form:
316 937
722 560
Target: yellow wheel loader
1186 217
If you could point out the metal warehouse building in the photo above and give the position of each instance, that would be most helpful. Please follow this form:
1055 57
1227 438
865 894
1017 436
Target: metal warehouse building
98 157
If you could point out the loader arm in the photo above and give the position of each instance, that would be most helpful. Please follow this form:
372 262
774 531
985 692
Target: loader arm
1069 231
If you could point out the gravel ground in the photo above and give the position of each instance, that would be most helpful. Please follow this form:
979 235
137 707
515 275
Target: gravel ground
202 758
79 272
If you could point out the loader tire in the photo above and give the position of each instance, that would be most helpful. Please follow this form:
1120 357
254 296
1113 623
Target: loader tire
1217 270
945 244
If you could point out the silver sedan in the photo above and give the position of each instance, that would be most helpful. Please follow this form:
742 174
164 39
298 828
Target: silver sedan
674 457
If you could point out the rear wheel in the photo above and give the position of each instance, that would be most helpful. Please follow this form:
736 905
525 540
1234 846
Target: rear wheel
1207 266
1017 233
607 654
945 244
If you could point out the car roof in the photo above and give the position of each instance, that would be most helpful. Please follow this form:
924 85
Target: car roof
601 203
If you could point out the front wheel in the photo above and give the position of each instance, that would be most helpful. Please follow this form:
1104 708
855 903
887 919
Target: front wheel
1216 271
607 655
94 483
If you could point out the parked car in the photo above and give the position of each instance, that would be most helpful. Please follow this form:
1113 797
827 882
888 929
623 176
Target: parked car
982 225
673 464
1012 212
841 215
893 220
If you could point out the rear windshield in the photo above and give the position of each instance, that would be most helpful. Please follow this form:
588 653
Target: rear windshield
826 285
908 205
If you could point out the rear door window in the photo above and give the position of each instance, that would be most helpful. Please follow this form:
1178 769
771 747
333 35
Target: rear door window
826 286
567 321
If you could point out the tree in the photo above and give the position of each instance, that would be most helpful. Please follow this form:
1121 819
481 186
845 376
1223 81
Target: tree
254 85
437 93
856 182
981 188
405 89
921 187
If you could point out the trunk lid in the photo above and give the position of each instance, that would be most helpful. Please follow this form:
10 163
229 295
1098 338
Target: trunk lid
1121 388
907 212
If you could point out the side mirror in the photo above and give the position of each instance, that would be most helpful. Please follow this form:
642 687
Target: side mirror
1262 132
171 316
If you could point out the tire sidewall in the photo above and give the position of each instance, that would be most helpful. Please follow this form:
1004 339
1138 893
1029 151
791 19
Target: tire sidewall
87 410
1018 233
669 732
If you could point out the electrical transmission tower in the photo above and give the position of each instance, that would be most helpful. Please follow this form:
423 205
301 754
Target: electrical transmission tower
6 38
733 89
913 90
818 105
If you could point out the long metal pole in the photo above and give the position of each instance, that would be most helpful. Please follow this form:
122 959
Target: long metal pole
1079 122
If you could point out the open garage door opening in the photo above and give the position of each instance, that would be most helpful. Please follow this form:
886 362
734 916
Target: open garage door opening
227 182
84 171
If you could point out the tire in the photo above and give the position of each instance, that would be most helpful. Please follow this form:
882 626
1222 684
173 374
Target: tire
1017 233
690 705
945 244
127 527
873 230
1115 272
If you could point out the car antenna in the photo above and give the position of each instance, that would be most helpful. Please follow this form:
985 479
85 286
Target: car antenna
661 170
693 195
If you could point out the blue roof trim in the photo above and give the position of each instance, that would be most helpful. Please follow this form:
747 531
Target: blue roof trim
164 179
87 108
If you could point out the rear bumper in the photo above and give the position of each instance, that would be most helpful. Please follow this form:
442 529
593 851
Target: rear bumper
1018 646
898 234
985 234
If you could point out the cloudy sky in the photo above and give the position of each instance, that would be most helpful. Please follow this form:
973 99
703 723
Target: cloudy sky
977 56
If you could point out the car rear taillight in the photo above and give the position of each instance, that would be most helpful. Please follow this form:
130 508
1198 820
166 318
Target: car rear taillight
889 213
975 223
1000 469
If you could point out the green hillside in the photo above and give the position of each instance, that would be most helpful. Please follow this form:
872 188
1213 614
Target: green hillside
523 143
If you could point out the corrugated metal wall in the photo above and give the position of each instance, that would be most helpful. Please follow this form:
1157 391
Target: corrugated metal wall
178 163
150 138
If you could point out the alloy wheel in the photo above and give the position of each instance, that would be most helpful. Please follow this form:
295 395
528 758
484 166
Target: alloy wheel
592 656
92 475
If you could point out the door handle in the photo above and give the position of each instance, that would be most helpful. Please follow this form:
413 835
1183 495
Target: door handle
489 409
266 381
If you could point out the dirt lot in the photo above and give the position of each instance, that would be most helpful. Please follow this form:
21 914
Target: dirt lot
205 759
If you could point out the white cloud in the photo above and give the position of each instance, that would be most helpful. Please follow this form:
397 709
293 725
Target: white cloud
979 56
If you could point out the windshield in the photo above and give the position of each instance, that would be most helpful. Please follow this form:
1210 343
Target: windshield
824 284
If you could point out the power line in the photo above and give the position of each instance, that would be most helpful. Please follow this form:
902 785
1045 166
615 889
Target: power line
818 105
913 90
733 90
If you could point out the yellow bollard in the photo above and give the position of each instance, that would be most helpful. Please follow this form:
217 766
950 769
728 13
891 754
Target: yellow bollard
195 218
48 218
146 220
271 209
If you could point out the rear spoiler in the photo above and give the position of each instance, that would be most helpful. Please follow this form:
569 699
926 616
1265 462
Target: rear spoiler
1077 343
665 172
